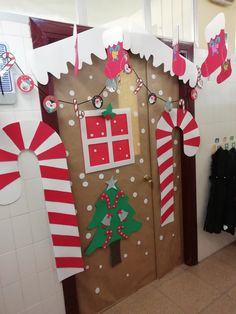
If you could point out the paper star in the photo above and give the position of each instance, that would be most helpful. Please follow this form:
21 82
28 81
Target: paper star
111 184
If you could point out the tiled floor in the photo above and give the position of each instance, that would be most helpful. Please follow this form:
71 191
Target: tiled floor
208 288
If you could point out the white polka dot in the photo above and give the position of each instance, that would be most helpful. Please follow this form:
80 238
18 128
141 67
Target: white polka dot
67 153
170 98
153 76
161 237
121 130
135 114
102 133
95 150
101 176
127 156
105 93
153 120
92 135
143 104
91 77
125 255
142 130
72 92
85 184
61 106
175 188
89 208
81 175
160 92
147 218
97 123
117 171
145 201
88 235
89 97
138 242
132 88
132 179
120 148
114 121
71 122
138 144
103 158
135 194
173 235
97 290
118 91
141 161
87 267
100 266
174 164
127 275
175 142
146 253
177 177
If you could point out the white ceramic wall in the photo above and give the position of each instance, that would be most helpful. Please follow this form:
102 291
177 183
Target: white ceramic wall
215 111
28 281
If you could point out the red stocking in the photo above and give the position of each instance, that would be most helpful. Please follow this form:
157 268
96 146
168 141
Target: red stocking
225 72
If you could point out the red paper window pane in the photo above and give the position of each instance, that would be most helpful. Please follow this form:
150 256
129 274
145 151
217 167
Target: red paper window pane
121 150
96 127
98 154
119 125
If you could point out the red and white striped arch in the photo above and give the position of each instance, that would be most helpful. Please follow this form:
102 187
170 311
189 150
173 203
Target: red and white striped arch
191 141
46 144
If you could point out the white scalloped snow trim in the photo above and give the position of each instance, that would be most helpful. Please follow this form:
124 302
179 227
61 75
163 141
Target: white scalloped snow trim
215 26
111 34
53 58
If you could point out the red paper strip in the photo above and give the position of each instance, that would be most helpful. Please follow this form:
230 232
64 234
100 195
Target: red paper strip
41 135
6 156
62 219
73 262
54 173
58 196
167 213
65 240
8 178
13 131
57 151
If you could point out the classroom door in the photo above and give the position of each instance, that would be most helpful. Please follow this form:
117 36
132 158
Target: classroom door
153 250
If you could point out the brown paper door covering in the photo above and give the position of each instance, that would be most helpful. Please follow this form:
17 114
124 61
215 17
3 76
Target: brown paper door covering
140 260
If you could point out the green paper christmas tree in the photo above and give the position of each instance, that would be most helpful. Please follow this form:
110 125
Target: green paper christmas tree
113 218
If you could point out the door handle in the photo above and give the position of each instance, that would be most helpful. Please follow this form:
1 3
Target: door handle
147 178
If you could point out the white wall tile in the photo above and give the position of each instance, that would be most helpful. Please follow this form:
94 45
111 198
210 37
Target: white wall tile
44 255
2 303
19 207
4 212
39 225
26 261
6 236
9 271
31 291
36 309
22 231
34 192
50 305
46 284
13 298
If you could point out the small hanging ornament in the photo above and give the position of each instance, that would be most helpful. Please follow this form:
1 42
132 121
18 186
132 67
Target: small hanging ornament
168 105
182 104
199 78
152 98
106 220
97 101
8 62
50 104
193 94
79 113
127 68
111 85
108 114
139 86
25 83
122 214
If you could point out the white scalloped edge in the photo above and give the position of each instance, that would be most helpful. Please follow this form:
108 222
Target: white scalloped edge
53 58
215 26
112 36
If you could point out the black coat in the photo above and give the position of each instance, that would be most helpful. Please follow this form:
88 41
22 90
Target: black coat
221 208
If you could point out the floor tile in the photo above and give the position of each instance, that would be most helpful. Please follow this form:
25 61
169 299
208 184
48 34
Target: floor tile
227 255
223 305
215 273
188 292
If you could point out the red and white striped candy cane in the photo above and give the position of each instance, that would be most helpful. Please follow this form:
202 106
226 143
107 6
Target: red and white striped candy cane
79 113
109 235
11 61
139 86
191 140
119 228
46 144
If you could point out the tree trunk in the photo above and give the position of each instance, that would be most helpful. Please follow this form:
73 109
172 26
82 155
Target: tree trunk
115 253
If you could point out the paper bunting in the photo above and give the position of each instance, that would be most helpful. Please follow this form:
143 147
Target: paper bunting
191 140
39 138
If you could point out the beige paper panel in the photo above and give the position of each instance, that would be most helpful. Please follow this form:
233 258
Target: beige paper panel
138 253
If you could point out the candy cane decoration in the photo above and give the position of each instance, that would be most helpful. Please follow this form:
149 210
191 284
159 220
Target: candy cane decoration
139 86
191 139
104 196
119 228
46 144
79 113
109 235
11 61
